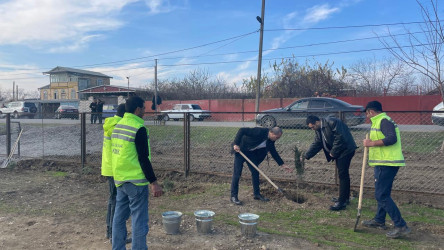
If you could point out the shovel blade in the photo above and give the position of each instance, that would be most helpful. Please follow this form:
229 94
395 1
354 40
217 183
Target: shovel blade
357 220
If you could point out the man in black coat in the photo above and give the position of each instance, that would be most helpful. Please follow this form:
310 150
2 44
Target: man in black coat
93 107
255 143
334 137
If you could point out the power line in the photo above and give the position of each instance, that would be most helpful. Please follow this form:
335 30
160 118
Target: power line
349 26
267 59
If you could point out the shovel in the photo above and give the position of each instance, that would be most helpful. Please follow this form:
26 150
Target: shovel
262 173
361 187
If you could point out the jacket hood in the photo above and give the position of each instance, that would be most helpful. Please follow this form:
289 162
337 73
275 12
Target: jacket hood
110 123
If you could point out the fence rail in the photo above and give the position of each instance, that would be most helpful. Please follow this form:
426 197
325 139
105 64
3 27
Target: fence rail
204 146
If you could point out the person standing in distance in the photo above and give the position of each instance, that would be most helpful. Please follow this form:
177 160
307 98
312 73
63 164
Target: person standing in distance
93 107
334 137
385 155
107 169
132 171
255 143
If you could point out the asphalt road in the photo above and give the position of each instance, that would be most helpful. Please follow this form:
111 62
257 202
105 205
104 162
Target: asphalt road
408 128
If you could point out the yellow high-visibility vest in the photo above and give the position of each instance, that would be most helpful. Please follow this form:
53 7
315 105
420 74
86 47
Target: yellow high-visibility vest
125 161
385 155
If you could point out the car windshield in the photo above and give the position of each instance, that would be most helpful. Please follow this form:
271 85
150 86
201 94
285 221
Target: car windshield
67 107
195 106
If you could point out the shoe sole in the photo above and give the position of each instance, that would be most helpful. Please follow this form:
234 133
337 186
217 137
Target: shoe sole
399 235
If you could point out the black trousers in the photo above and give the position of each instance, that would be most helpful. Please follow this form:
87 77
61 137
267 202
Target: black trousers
343 165
256 156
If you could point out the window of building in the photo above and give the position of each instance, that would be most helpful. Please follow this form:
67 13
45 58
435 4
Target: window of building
45 95
63 94
99 82
55 94
73 94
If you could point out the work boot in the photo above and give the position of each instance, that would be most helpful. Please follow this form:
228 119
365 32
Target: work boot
336 199
236 201
374 224
398 232
338 206
261 198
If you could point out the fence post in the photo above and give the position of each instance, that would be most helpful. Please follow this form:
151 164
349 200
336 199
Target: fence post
8 134
186 143
83 139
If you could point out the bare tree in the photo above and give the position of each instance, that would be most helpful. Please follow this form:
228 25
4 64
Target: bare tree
387 76
422 52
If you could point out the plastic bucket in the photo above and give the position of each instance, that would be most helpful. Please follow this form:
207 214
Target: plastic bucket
204 221
171 221
248 224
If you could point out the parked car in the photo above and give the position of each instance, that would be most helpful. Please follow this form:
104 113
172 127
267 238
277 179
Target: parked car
109 110
20 109
295 114
438 118
67 111
179 109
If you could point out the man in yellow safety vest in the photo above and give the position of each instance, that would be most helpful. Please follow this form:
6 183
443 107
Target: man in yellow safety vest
107 169
132 173
385 155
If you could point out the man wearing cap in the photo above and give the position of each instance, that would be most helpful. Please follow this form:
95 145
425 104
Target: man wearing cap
385 155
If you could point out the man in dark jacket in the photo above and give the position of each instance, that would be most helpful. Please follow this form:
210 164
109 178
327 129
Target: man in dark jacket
93 107
255 143
334 137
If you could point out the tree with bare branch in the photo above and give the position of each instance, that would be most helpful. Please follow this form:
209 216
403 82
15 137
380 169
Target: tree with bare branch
422 51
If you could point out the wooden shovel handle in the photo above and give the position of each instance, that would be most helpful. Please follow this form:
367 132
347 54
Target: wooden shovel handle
364 164
262 173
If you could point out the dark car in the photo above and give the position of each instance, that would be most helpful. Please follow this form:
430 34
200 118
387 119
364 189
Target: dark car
295 114
67 111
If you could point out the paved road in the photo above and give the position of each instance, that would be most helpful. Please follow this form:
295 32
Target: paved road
408 128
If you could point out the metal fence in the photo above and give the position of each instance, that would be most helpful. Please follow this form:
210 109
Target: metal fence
204 146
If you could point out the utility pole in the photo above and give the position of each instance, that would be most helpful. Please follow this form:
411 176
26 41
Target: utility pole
13 90
17 92
259 62
128 84
155 84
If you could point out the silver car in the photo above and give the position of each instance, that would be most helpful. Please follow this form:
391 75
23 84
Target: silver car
295 114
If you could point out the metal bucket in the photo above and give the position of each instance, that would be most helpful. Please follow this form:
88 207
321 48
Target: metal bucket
204 221
248 224
171 221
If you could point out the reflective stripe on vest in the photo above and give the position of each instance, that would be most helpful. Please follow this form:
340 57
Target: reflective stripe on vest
125 161
108 126
385 155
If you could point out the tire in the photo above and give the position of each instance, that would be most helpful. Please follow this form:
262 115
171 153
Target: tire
268 122
166 118
16 115
191 118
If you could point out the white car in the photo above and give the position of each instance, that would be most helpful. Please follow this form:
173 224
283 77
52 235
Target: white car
179 109
438 118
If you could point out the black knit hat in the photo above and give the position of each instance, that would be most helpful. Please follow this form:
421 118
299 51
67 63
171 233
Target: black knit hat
374 105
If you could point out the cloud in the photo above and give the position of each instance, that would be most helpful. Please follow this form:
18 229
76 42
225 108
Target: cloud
34 23
318 13
162 6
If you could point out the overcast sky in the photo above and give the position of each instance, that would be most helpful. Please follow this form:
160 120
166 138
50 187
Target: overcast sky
121 38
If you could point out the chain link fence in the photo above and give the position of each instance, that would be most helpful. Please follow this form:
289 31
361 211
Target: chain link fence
206 145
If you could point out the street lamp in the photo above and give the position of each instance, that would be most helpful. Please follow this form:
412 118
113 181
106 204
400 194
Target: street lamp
128 85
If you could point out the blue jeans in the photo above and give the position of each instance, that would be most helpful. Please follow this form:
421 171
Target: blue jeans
384 176
111 206
131 200
256 156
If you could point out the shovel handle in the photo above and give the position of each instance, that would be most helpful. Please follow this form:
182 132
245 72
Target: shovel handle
361 187
262 173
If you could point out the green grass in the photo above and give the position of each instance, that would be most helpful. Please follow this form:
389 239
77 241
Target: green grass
57 173
333 229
